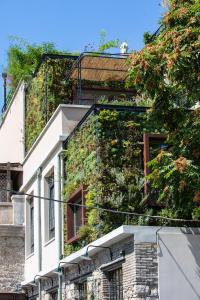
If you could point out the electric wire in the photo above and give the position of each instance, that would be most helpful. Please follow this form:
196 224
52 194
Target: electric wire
101 208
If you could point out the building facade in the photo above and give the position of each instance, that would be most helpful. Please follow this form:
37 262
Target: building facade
12 229
43 195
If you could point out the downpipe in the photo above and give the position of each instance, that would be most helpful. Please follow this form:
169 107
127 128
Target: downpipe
60 217
39 178
60 205
60 286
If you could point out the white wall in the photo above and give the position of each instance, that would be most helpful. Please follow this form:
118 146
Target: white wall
31 263
49 249
44 154
12 129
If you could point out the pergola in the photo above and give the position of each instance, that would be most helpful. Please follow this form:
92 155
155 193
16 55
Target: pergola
99 67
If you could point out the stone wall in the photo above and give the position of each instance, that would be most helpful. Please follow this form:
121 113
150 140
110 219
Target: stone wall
139 272
145 272
11 257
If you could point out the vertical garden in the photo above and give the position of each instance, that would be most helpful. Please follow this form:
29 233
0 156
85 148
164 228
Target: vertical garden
46 90
105 155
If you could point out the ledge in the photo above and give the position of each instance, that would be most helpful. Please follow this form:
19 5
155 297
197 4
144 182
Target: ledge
29 255
49 242
12 231
6 204
112 265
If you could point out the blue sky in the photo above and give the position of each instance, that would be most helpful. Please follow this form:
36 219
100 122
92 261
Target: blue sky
71 25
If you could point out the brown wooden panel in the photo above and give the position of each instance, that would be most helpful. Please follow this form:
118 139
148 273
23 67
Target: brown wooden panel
12 296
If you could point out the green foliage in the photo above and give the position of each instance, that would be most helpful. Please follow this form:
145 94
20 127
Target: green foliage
106 45
196 213
105 155
176 171
160 70
166 71
23 59
147 37
49 81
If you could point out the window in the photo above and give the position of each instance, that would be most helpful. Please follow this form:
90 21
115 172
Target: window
3 186
30 225
82 290
53 295
75 214
51 208
115 284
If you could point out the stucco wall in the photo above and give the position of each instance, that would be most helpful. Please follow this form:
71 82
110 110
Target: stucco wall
11 257
44 155
12 130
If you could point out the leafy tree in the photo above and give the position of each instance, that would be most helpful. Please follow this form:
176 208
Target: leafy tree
166 71
23 59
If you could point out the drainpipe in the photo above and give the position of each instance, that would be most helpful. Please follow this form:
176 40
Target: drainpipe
60 286
60 205
39 290
60 217
39 236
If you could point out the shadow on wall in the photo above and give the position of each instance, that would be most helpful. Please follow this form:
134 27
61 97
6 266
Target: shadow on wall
179 264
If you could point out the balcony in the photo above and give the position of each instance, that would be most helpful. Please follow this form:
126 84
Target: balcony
68 79
11 205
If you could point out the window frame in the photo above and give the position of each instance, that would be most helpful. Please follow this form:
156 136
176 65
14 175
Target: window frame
30 228
79 194
83 290
32 244
51 208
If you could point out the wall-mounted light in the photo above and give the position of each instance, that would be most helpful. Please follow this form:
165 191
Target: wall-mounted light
122 253
46 277
59 269
87 257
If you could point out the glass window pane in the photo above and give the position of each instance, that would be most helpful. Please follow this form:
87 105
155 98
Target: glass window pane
31 224
51 208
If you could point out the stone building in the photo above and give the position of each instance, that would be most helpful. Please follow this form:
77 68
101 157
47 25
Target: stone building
121 265
129 263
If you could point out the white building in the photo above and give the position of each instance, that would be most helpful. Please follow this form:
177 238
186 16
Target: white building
42 176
